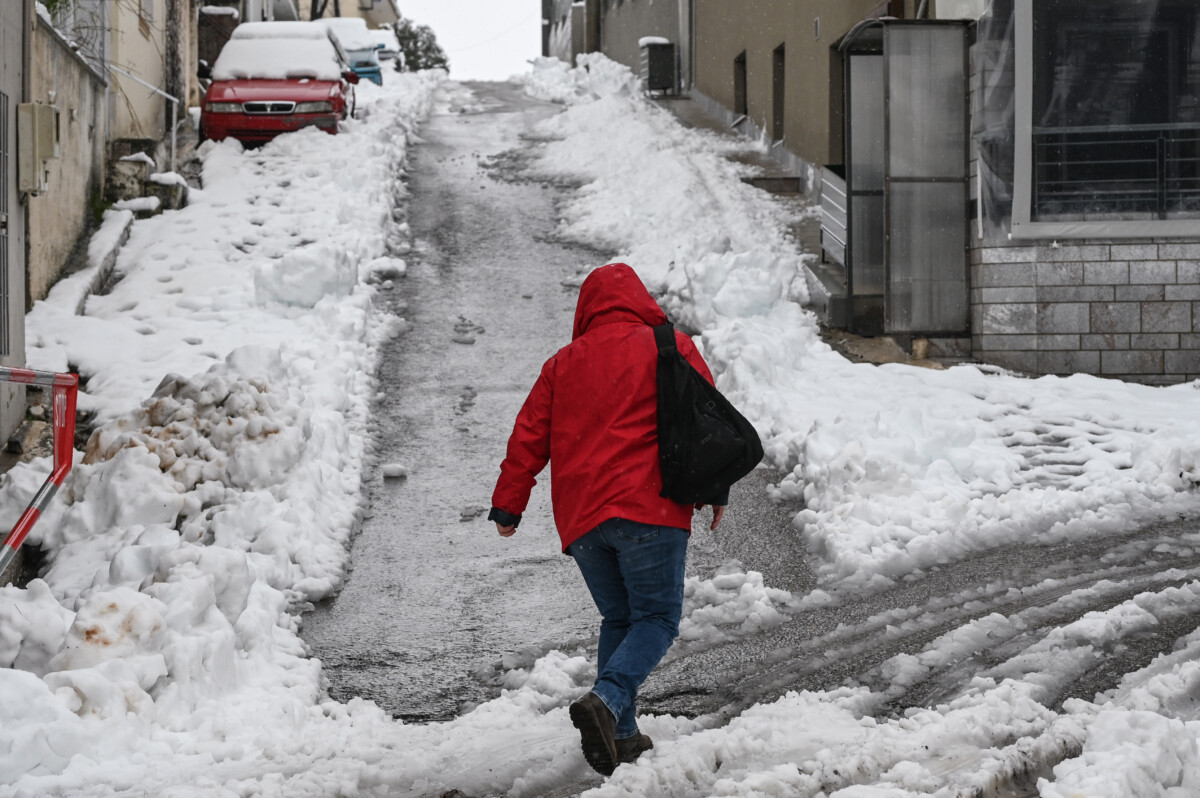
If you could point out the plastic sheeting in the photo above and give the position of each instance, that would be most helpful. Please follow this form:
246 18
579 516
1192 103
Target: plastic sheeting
993 116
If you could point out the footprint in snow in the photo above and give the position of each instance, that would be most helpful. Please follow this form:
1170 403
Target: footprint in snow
465 331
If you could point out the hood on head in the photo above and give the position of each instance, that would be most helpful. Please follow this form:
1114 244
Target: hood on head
614 293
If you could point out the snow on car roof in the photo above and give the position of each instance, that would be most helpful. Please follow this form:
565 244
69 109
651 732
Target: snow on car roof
277 59
352 32
279 30
385 37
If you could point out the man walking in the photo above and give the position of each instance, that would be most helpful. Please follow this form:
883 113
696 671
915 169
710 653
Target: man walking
593 413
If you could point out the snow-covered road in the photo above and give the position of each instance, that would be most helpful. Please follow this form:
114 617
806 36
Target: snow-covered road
981 552
436 598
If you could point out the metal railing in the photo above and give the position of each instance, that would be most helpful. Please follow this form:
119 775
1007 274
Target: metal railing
173 100
1117 169
65 393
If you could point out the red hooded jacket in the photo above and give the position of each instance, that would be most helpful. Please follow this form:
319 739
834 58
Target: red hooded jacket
593 413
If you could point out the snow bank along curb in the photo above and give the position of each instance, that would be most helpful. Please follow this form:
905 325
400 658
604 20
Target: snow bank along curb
103 249
901 469
202 519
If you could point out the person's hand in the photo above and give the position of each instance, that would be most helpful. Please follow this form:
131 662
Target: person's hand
718 514
509 531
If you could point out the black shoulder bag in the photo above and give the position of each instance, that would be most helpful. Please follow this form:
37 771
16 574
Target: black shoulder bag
704 444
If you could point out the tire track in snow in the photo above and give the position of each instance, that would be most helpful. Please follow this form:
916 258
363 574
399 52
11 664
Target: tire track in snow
1042 589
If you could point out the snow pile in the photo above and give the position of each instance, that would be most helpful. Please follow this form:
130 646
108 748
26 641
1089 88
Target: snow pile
138 204
1131 754
668 200
229 372
305 276
827 743
595 78
351 32
202 519
283 29
900 468
731 602
33 626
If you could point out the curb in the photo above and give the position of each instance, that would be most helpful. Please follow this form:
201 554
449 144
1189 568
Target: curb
103 249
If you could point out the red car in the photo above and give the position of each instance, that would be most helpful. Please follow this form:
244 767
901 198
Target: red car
276 80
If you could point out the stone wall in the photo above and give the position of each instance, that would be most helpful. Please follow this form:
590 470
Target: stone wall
1127 309
60 216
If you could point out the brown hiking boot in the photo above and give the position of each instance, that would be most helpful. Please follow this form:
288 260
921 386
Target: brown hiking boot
630 748
596 729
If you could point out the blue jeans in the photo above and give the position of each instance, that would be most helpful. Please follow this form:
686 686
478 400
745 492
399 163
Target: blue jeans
635 574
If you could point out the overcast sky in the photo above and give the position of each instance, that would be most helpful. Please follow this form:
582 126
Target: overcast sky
484 39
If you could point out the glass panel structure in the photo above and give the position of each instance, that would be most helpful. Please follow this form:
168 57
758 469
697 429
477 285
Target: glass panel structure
926 81
865 157
925 180
927 289
864 80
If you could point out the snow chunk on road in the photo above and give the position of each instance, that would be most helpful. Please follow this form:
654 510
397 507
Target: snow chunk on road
303 277
1131 755
732 602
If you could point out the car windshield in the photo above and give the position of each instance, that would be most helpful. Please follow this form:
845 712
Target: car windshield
277 59
364 58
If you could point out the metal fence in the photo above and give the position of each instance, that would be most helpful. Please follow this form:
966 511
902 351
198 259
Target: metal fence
1125 169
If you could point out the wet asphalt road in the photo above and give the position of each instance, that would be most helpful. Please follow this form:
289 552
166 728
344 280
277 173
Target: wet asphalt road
436 599
435 595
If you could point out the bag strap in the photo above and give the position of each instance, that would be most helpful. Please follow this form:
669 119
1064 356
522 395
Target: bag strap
664 337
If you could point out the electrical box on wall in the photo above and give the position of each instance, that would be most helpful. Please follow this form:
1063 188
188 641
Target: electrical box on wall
37 143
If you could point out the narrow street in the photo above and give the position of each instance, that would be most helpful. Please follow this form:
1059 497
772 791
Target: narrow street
435 595
303 293
437 606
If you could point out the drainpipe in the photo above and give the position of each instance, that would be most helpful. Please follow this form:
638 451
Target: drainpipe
29 15
28 21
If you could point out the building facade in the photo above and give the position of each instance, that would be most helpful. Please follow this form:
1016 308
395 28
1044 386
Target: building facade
772 67
617 28
15 45
375 12
1086 252
60 216
1012 181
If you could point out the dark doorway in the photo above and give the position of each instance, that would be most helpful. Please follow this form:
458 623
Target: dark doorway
215 27
777 91
739 84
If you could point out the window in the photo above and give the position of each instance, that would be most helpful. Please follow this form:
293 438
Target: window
1113 103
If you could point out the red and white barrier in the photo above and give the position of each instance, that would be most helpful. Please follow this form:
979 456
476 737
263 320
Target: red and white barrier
66 391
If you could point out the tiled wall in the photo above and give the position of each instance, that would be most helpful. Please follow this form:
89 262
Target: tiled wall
1119 309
